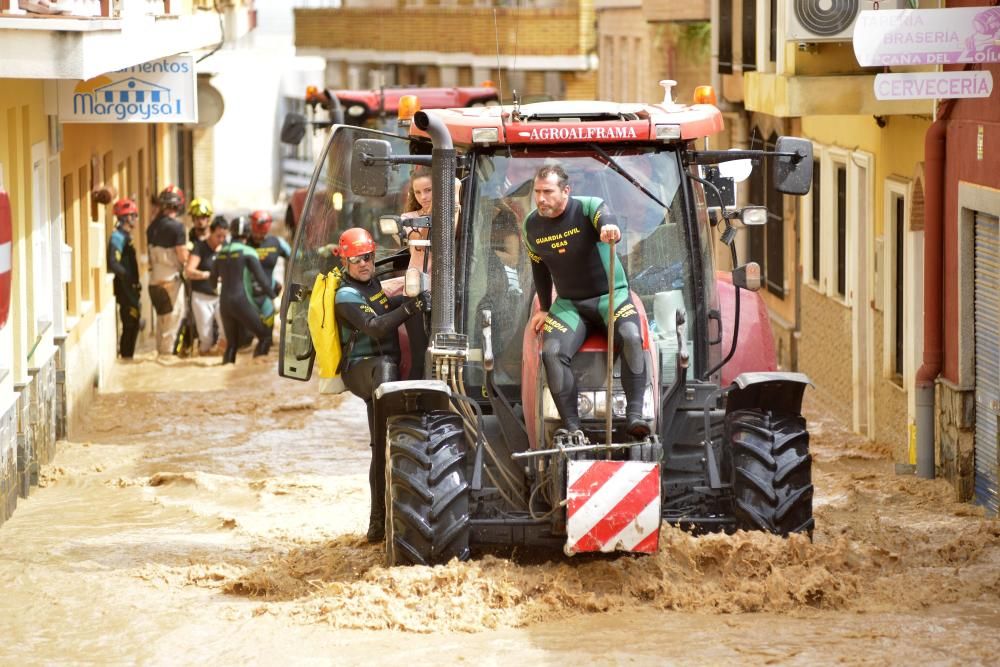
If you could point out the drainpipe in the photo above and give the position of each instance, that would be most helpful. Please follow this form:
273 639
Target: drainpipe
935 143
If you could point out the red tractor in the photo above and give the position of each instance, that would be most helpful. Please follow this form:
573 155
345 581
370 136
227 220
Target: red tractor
473 453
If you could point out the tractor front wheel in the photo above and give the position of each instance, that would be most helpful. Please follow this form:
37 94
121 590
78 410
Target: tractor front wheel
427 494
772 472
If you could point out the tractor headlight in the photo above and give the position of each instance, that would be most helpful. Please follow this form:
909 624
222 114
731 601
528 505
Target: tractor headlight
585 405
618 404
647 404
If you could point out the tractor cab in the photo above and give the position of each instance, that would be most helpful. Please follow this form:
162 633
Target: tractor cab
495 465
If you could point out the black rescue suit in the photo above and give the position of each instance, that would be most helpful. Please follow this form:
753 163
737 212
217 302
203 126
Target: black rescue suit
567 251
122 263
237 268
368 322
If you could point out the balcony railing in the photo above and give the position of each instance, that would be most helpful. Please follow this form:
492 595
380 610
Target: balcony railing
100 9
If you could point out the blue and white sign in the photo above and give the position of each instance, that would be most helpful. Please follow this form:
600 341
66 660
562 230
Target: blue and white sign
161 91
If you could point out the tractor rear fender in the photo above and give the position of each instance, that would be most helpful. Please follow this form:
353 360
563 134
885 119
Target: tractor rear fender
408 396
774 390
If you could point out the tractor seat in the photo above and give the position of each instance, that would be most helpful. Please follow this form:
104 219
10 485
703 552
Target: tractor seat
598 341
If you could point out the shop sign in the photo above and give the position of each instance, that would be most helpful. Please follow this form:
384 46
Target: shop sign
927 36
930 85
160 91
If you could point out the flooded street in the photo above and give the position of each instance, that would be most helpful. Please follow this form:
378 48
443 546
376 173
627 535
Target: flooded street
217 515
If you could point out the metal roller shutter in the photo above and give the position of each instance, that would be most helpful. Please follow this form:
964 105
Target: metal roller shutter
987 317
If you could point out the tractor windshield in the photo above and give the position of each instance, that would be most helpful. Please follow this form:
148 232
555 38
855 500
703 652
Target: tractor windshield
653 249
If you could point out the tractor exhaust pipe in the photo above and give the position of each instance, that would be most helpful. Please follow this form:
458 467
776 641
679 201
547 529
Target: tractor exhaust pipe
444 162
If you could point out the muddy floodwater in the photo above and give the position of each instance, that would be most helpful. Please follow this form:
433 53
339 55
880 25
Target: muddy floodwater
210 515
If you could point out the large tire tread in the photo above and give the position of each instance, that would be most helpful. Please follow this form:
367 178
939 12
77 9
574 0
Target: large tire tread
427 517
772 472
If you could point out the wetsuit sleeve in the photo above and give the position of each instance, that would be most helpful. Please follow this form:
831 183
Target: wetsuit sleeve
257 271
598 212
360 316
543 283
539 272
115 247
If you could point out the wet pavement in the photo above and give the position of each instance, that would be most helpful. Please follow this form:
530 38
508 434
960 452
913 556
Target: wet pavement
216 515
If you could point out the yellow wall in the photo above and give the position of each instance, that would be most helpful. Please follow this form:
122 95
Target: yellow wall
897 148
22 124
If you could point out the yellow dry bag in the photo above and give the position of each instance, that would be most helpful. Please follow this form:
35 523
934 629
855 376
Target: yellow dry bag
324 331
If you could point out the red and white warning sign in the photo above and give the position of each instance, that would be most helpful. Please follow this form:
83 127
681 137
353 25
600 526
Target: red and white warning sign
612 506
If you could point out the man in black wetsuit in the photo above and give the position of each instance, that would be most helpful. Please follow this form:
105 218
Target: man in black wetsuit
235 265
368 322
122 263
567 240
269 248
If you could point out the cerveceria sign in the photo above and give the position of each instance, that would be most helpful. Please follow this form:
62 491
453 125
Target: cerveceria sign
161 91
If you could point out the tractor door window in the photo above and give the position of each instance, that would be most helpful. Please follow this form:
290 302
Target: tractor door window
331 208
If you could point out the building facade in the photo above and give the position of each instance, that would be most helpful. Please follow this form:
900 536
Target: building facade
641 42
852 295
543 49
59 340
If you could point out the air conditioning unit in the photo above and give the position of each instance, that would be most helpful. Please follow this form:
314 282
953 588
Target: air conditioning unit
828 20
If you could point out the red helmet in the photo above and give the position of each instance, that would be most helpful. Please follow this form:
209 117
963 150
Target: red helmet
125 207
356 241
172 197
260 222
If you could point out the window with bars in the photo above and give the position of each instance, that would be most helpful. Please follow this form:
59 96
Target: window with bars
816 224
749 35
725 36
766 244
841 193
899 213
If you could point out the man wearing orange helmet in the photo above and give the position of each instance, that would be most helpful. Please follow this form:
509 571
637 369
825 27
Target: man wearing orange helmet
368 322
122 263
168 253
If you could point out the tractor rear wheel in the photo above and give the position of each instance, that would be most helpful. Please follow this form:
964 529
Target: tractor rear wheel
427 494
772 472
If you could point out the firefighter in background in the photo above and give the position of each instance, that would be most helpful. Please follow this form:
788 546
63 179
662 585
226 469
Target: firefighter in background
368 322
122 263
168 253
269 248
236 266
200 211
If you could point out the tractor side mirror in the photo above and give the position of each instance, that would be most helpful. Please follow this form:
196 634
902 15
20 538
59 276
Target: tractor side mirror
747 276
792 174
293 128
370 167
